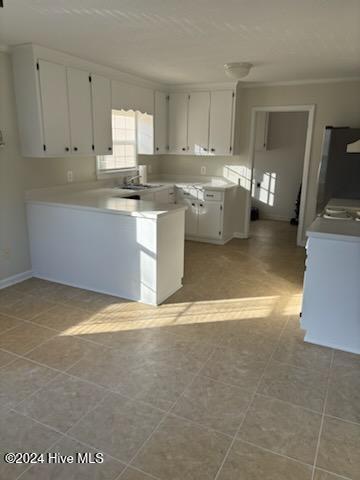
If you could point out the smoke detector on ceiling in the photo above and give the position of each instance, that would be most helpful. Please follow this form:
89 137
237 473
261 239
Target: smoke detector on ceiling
237 70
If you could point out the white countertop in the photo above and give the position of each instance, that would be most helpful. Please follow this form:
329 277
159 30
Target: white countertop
113 199
208 183
107 200
335 229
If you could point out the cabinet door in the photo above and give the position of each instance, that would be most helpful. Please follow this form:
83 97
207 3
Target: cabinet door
54 104
191 217
178 118
198 125
162 196
101 107
210 219
221 120
161 122
80 111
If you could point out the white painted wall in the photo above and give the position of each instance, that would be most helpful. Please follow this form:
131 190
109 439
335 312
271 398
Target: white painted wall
279 168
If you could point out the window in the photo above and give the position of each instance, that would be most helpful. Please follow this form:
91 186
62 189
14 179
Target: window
132 134
124 143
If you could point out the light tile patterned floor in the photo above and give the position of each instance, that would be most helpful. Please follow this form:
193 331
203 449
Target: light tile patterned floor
216 384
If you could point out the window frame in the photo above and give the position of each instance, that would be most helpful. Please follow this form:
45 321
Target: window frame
101 173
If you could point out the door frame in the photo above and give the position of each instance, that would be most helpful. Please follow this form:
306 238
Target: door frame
310 109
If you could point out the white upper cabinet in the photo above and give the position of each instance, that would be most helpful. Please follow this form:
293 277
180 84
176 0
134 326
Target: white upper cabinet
221 122
63 108
145 134
198 124
54 106
178 122
161 122
80 111
101 109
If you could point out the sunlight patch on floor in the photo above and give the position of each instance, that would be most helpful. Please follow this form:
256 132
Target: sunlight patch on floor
189 313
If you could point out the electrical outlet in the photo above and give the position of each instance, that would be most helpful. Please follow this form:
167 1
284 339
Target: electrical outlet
150 168
203 170
70 176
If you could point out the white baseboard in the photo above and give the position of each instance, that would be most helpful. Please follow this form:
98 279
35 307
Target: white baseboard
276 218
208 240
19 277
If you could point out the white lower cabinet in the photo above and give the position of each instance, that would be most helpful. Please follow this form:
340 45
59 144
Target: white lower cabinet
203 217
210 219
191 217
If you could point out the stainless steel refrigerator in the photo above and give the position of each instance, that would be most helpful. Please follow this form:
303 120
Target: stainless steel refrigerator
339 172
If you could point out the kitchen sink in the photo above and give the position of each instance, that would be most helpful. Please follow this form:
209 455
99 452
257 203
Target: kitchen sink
133 197
137 187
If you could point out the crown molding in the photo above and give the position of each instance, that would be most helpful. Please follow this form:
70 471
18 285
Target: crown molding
291 83
198 87
68 59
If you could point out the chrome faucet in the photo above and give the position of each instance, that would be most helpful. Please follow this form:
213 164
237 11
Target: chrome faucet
129 180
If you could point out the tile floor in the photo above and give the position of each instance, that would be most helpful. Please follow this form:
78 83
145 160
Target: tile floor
215 384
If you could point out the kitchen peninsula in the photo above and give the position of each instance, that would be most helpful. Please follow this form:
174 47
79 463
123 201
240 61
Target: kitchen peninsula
100 240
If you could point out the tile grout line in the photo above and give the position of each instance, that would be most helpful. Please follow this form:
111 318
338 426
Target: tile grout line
168 413
107 347
65 434
273 452
322 417
333 473
108 393
250 403
33 320
109 390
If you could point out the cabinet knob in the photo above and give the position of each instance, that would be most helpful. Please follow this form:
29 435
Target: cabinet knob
109 148
67 149
213 149
193 204
157 149
75 149
183 149
205 149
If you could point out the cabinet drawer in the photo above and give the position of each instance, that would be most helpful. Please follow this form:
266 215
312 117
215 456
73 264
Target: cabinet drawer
183 193
211 195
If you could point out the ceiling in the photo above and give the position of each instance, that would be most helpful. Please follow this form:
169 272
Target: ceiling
188 41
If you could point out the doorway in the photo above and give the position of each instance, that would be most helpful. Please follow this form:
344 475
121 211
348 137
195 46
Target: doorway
280 144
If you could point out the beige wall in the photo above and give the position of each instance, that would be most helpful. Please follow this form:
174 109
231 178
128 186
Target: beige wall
191 164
